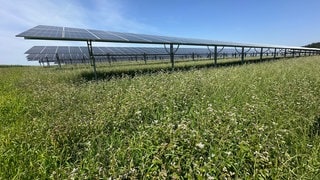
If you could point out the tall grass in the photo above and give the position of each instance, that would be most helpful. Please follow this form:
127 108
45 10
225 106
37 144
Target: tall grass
253 121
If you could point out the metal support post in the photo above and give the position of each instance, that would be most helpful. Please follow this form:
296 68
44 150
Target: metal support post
285 52
93 61
215 55
58 59
145 58
48 64
109 59
293 53
172 56
242 55
261 54
275 53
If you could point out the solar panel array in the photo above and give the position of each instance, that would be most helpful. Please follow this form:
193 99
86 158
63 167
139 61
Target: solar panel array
110 50
77 34
75 53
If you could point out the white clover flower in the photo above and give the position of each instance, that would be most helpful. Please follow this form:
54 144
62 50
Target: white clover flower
224 169
200 145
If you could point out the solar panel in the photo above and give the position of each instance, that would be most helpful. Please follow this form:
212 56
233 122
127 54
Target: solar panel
110 50
62 50
77 34
79 54
35 50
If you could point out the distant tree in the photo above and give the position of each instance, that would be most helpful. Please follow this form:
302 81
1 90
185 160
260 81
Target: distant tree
313 45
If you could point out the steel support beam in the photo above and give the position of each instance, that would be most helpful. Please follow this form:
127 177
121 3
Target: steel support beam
93 61
48 64
285 52
242 55
145 58
215 55
172 56
109 59
293 53
275 53
58 59
261 54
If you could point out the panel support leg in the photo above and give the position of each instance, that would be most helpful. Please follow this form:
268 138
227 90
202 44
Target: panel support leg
58 59
145 58
93 61
215 55
109 59
242 55
172 56
293 53
261 54
285 53
48 64
275 53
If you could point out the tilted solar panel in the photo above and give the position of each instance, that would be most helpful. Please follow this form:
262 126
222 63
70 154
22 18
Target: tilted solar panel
74 53
76 34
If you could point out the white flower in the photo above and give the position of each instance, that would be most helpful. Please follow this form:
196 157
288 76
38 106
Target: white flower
138 112
74 170
200 145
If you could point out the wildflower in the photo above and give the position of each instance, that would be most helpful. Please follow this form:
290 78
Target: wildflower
200 145
74 170
138 112
224 169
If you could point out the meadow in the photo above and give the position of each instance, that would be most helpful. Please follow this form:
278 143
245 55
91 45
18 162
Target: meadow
256 121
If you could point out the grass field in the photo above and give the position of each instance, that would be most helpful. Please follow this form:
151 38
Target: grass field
257 121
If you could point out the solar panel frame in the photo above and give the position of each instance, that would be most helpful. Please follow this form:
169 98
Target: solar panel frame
79 53
45 32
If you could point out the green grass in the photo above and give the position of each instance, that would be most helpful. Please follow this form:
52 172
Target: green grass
257 121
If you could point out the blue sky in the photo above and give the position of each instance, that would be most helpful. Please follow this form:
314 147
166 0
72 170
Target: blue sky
280 22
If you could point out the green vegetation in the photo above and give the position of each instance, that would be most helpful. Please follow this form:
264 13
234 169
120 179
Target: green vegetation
258 121
313 45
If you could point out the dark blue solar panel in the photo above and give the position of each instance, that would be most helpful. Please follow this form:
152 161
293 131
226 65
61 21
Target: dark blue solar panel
63 50
73 33
84 50
35 50
66 33
97 50
74 50
37 53
43 32
49 50
107 35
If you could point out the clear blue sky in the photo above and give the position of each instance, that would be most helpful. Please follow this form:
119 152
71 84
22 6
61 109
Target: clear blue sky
280 22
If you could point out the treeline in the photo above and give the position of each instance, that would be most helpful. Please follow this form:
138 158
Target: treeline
313 45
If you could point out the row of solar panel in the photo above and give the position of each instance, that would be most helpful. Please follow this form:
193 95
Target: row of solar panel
61 33
64 58
72 53
115 50
76 34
